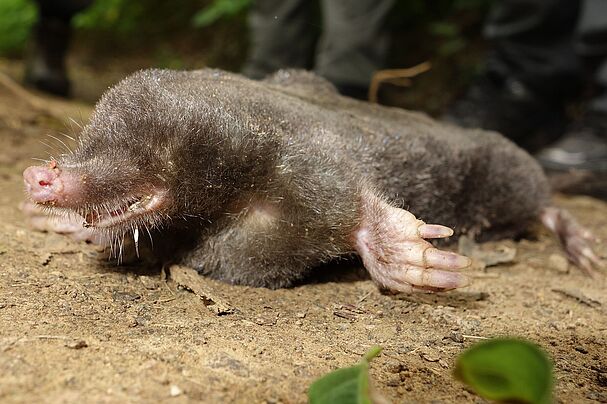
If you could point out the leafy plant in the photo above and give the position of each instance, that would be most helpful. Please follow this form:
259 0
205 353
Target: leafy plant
219 9
122 16
346 385
507 370
16 20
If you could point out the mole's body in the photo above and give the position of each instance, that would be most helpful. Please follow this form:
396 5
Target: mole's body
271 179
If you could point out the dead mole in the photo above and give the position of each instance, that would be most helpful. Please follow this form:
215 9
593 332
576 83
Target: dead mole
271 179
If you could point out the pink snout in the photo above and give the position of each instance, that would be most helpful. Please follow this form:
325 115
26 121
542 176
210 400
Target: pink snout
49 185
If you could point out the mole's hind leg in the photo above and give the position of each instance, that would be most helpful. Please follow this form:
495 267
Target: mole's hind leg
391 242
576 240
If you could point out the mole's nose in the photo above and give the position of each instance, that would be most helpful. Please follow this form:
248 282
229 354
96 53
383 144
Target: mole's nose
42 184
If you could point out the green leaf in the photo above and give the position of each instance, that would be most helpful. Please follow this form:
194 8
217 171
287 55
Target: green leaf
217 10
344 386
445 29
16 20
507 370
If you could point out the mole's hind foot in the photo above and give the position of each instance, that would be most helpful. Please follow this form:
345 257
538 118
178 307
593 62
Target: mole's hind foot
575 239
392 245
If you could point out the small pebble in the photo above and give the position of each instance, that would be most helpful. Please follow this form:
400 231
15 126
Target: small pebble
456 336
76 344
393 380
394 366
559 263
429 354
175 391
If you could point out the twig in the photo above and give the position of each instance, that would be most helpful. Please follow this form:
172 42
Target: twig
399 77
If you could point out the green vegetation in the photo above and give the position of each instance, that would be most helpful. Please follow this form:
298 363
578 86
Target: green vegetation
16 20
501 369
507 370
218 10
123 18
346 385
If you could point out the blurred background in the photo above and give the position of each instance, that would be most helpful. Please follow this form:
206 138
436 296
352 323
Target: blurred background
112 38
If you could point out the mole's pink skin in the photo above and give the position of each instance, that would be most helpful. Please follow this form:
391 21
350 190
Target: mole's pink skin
576 240
51 185
391 244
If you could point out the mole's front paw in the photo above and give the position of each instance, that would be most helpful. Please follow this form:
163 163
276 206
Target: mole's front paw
39 219
392 245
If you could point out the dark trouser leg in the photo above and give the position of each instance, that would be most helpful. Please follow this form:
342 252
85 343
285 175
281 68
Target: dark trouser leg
534 43
282 35
46 67
583 148
592 42
532 70
354 43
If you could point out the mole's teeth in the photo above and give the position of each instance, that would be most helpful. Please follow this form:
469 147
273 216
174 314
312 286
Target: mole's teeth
134 206
139 204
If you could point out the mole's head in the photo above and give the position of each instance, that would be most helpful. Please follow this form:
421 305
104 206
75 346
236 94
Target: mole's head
153 151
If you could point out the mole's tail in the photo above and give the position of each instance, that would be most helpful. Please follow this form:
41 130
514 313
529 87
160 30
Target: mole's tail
575 239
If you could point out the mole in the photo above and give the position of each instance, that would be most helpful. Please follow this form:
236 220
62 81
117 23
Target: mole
261 182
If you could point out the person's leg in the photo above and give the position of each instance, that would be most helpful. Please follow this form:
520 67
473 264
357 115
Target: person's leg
530 72
354 43
584 145
46 69
534 43
282 35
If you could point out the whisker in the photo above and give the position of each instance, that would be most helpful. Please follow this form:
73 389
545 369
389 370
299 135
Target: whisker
62 142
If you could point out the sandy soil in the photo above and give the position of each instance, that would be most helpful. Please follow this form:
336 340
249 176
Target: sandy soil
75 328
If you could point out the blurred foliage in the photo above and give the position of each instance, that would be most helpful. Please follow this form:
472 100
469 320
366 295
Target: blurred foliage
507 370
121 16
219 9
188 34
121 19
16 20
349 385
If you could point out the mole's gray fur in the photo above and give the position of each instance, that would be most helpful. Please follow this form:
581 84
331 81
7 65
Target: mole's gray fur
270 175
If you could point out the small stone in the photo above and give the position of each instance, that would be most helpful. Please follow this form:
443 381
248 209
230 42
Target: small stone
76 344
299 323
581 349
558 263
329 356
393 380
301 315
150 282
119 296
429 354
394 366
456 336
45 259
175 391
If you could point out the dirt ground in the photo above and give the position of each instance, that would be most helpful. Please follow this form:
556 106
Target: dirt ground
75 328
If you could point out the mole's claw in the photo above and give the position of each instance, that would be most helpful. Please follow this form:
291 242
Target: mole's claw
392 247
434 231
445 259
575 239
